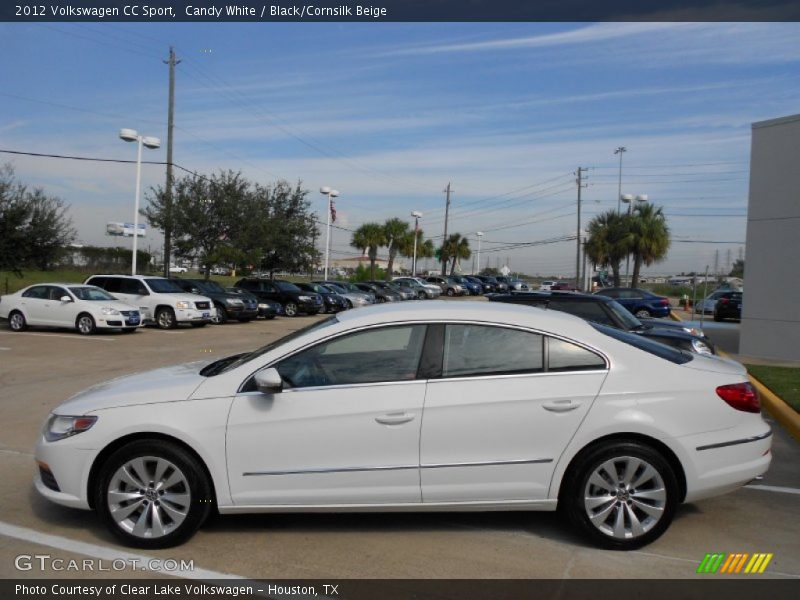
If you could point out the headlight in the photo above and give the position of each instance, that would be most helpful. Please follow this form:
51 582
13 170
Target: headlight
701 347
107 310
693 331
263 306
59 427
233 302
183 304
304 298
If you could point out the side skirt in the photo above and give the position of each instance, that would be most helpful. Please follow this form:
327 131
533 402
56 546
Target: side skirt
509 505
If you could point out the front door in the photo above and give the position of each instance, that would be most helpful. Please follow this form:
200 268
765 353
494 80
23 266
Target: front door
498 419
345 429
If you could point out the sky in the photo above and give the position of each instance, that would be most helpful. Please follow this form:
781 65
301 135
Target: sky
389 113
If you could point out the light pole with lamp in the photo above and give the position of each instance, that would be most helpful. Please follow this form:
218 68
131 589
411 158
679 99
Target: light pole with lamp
331 194
621 150
629 200
480 235
130 135
417 216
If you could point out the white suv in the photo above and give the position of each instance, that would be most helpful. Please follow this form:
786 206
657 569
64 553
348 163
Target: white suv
159 300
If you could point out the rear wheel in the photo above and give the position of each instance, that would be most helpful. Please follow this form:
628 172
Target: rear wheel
153 494
622 495
17 322
165 318
85 324
643 313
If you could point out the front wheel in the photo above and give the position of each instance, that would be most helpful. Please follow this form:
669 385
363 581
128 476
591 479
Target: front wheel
85 324
165 318
152 494
621 495
451 292
290 308
17 322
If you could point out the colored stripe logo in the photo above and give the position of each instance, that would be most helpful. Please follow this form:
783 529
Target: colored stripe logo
735 563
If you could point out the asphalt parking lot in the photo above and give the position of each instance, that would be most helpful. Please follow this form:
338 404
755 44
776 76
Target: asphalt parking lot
39 369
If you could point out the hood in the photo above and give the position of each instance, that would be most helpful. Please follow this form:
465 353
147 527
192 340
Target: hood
168 384
186 297
716 364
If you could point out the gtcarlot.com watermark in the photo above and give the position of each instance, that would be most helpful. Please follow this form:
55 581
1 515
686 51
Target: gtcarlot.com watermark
46 562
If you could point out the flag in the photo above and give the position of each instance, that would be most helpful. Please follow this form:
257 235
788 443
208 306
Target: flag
333 212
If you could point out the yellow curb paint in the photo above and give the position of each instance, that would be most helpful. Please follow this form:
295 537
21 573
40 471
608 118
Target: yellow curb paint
765 563
777 406
674 316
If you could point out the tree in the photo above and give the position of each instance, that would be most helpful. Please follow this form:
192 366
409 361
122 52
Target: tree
455 248
737 270
394 229
368 238
34 227
648 237
608 242
425 248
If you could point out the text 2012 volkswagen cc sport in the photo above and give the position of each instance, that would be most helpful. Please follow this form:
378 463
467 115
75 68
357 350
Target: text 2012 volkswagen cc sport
412 407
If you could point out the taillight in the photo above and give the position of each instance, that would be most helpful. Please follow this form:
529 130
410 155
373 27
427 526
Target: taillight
741 396
724 301
664 302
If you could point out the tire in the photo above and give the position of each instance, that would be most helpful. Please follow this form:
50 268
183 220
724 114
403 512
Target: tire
655 489
198 325
349 303
182 477
290 308
643 313
421 295
450 292
17 321
165 318
85 324
222 315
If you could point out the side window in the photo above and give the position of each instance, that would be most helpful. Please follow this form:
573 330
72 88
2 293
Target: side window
268 287
55 292
39 291
475 350
372 356
132 286
97 281
591 311
565 356
610 293
114 284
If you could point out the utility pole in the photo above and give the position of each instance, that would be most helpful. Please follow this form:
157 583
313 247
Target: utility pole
447 191
168 197
621 150
716 264
581 185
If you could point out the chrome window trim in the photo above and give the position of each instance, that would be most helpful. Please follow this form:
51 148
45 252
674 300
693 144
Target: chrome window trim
485 463
754 438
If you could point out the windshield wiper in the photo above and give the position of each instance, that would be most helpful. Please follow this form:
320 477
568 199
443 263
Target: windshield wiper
218 365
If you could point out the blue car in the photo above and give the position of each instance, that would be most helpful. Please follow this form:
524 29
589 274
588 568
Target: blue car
641 303
475 289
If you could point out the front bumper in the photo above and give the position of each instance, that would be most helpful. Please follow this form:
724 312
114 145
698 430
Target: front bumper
69 466
193 315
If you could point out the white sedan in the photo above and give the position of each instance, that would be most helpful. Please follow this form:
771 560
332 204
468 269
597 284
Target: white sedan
83 307
410 407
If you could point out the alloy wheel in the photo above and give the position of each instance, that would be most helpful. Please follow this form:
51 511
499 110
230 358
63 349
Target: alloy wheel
290 309
166 319
625 497
85 324
148 497
17 322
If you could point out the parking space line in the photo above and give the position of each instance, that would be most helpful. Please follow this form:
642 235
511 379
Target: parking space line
774 488
5 348
105 553
57 335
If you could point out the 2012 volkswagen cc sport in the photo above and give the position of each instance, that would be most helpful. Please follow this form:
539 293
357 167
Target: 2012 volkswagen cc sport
413 408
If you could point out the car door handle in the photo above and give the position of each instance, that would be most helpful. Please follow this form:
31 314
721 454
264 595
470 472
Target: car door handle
561 406
395 418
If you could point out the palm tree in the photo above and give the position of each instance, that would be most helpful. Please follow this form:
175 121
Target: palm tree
456 248
394 230
649 237
609 241
425 247
368 238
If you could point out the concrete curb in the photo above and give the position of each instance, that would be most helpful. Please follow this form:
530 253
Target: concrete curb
775 405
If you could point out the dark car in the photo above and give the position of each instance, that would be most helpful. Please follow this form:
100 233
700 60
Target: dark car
728 306
405 293
381 294
228 305
474 288
499 286
486 287
269 309
606 311
293 300
640 302
563 286
331 301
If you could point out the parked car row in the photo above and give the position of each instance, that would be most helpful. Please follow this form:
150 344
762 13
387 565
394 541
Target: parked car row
476 285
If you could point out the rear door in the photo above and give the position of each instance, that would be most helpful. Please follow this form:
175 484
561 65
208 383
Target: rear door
34 304
506 405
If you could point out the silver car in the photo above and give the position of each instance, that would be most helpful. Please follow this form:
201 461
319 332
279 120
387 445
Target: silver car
422 287
355 297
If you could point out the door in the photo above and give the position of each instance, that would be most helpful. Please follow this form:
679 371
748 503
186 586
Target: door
345 430
498 419
34 305
62 314
134 293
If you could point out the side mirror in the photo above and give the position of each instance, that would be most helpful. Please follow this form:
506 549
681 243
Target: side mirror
66 299
268 381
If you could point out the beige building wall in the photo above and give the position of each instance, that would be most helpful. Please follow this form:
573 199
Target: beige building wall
771 312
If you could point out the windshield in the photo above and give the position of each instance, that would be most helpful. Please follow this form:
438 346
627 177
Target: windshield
351 287
669 353
90 293
163 286
320 289
286 286
233 362
211 286
628 320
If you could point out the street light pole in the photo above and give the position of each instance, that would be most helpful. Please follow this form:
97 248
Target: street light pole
480 235
621 150
417 215
331 194
130 135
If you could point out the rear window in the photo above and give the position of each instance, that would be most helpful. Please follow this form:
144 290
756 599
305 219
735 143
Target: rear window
673 355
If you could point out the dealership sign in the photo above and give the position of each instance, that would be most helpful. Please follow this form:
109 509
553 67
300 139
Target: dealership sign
124 229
